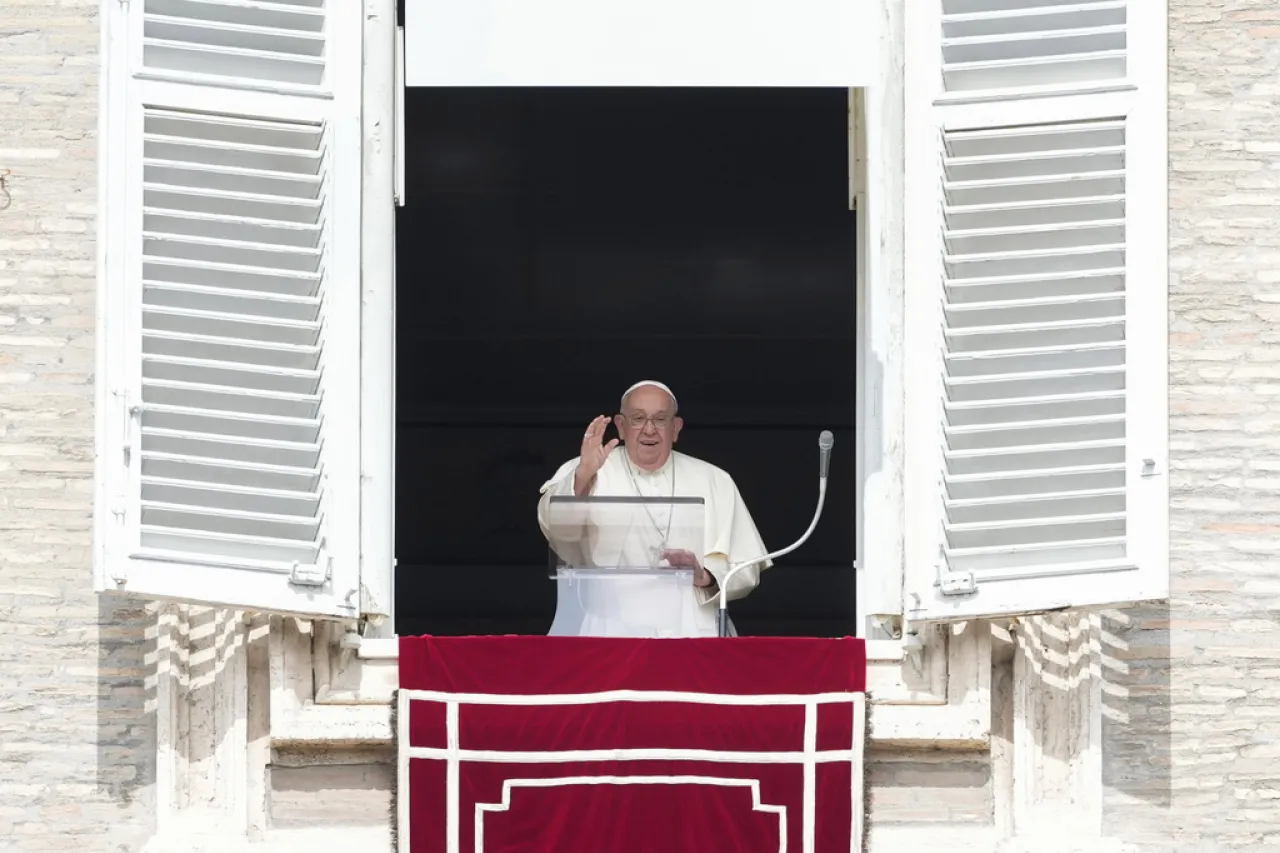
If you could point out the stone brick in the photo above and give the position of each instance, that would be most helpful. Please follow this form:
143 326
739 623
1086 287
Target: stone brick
1217 719
77 754
1190 714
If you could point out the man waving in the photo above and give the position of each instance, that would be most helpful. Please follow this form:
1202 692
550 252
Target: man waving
646 465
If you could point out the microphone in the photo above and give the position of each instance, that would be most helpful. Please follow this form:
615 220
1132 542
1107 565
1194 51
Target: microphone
825 442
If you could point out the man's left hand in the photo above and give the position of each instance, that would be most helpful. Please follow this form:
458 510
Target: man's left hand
682 559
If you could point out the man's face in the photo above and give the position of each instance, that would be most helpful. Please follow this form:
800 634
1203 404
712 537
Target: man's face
648 426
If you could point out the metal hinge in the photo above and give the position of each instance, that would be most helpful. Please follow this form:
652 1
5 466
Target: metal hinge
128 415
313 574
956 583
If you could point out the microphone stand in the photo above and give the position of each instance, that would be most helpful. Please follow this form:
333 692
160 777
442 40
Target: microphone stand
825 442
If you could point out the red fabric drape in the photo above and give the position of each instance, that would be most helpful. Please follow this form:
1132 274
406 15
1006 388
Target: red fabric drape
517 750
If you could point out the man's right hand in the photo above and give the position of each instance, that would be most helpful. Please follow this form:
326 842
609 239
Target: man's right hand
593 455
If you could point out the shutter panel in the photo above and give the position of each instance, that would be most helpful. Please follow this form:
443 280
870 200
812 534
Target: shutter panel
229 455
1035 325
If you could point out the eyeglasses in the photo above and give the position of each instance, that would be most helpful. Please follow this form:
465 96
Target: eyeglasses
638 421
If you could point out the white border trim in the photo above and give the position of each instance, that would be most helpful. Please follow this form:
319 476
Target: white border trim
453 754
809 758
609 696
564 781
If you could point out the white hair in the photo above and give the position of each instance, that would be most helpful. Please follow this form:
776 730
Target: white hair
651 383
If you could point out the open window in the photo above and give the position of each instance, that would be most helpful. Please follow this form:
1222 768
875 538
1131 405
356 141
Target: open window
559 244
1036 285
228 387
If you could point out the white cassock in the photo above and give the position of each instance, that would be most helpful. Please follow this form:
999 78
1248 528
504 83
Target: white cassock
661 605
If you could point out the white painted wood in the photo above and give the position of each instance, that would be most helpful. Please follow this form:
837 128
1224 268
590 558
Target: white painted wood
661 43
882 368
400 118
1036 314
229 331
377 314
260 45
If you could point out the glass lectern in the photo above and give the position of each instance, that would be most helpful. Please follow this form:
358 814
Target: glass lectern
616 567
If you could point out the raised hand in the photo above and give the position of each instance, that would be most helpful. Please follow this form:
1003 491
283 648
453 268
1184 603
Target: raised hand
592 455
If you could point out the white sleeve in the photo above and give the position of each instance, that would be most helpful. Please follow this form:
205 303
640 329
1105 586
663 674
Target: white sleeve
561 483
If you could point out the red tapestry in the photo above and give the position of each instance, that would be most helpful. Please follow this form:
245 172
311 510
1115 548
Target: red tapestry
577 745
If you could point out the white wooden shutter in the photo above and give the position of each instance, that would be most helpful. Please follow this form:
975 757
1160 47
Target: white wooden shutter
1036 277
230 307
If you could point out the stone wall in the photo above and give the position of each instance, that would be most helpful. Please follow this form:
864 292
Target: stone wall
1191 711
1193 715
75 734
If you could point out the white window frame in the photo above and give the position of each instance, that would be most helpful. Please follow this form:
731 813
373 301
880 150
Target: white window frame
935 685
381 128
878 120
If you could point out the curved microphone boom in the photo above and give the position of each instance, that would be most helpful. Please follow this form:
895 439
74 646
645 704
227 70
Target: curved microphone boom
825 442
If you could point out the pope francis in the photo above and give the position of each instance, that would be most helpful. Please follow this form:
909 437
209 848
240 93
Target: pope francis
644 464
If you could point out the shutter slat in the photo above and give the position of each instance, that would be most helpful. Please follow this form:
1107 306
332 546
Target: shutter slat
232 424
254 501
234 252
222 300
300 15
187 59
230 374
1018 482
1046 361
233 230
233 326
208 348
210 274
219 448
232 522
1045 560
261 39
176 544
176 466
977 16
1017 501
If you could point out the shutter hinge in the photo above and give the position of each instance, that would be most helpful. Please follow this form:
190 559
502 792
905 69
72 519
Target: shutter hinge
313 574
956 583
128 415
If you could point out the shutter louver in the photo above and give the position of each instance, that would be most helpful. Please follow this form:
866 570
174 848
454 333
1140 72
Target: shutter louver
233 261
1015 44
267 41
1034 345
237 211
1024 304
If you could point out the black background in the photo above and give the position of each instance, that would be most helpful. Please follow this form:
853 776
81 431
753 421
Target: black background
560 244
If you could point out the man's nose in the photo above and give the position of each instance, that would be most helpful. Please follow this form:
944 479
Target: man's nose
649 427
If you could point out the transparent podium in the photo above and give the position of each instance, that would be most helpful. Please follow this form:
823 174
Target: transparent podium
611 559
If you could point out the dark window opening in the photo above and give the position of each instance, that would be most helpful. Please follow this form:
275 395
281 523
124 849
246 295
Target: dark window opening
560 244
